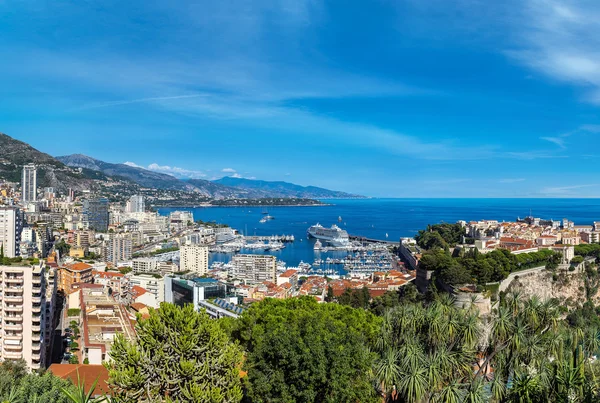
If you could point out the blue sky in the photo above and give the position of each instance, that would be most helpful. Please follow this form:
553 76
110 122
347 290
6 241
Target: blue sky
424 98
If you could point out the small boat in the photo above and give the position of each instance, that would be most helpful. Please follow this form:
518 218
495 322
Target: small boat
263 220
340 219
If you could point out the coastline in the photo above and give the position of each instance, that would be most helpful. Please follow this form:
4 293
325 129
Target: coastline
243 206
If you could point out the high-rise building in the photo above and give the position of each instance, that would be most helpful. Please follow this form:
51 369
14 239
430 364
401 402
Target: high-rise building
194 258
255 268
75 273
95 213
135 204
11 225
25 314
119 248
29 184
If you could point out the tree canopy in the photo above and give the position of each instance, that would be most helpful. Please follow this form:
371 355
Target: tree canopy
179 355
301 351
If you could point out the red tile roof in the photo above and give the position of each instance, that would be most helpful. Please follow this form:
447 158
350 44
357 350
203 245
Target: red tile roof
87 374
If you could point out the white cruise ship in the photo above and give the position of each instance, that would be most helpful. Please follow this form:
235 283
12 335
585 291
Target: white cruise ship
334 236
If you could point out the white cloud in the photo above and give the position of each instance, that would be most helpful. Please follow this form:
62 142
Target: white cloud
562 40
236 175
177 172
559 141
565 191
228 170
181 173
133 164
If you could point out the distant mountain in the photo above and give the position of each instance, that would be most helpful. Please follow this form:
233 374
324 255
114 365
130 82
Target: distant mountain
284 189
142 177
155 180
50 172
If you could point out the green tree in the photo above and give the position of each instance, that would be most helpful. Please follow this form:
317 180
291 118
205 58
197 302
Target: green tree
179 355
301 351
18 385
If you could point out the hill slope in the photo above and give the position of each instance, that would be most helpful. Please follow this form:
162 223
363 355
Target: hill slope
51 172
284 189
140 176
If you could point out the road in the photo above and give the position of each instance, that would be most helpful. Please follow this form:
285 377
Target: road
58 346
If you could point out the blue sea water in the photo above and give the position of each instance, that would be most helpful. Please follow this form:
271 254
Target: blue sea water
374 218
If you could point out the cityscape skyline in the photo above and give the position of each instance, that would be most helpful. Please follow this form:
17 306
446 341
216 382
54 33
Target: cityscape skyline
411 99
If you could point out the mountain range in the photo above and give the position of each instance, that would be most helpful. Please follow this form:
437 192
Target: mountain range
79 172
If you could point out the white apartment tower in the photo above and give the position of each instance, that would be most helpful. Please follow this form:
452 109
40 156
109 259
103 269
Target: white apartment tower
194 258
255 268
119 248
24 315
11 225
135 204
29 184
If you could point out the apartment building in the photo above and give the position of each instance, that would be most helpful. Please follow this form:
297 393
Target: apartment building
116 282
102 319
11 225
255 268
153 284
194 258
29 184
25 315
144 265
73 274
119 248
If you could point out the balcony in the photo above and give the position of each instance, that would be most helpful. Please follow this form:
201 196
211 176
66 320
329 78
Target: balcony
16 290
13 347
35 328
13 308
36 309
13 318
13 326
36 280
35 365
36 300
15 336
36 357
14 280
36 346
13 298
12 355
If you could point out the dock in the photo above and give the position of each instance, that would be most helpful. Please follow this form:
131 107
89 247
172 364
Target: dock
363 239
266 238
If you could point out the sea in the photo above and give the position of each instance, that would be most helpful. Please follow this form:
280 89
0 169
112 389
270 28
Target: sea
384 219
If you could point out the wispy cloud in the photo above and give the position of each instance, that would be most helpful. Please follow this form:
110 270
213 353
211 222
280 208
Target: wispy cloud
561 39
559 141
511 180
566 191
135 101
228 170
181 173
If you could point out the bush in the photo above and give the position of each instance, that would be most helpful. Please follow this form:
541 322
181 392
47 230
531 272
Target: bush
74 345
73 360
73 312
86 361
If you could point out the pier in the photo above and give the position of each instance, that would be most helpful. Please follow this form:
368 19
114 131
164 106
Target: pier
279 238
363 239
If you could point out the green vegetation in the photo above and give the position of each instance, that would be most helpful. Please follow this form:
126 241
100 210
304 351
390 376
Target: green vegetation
478 268
268 201
73 312
125 270
179 355
17 385
592 249
62 247
300 351
440 236
358 298
429 353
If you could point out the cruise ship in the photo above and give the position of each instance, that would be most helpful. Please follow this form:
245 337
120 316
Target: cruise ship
334 236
